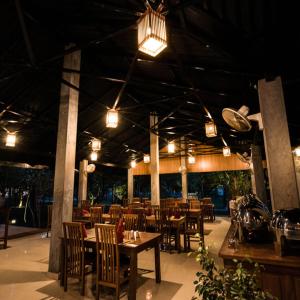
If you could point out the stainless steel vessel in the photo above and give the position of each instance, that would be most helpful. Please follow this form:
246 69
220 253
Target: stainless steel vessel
286 226
253 217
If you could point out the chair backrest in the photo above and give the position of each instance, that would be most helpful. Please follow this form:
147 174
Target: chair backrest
115 213
85 204
194 203
161 218
4 216
135 205
108 260
77 213
96 215
206 200
131 221
74 248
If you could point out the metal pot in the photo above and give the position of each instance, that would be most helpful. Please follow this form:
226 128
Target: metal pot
254 217
286 222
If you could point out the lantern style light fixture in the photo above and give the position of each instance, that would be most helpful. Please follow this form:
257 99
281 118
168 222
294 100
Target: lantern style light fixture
152 35
146 158
133 164
94 156
112 118
96 145
210 129
226 151
10 139
191 160
171 147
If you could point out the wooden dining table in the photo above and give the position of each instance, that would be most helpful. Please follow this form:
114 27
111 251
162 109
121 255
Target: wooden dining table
130 247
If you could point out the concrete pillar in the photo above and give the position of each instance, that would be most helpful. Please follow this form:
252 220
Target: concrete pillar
130 185
257 174
183 171
83 180
65 158
281 171
154 162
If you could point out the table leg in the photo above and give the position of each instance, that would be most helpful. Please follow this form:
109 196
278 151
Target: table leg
177 244
157 263
133 276
184 237
62 262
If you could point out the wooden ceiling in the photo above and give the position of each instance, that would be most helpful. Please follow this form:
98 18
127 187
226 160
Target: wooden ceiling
217 50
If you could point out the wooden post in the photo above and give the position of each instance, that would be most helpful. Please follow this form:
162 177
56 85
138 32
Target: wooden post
281 171
83 179
154 162
65 158
130 185
257 175
183 171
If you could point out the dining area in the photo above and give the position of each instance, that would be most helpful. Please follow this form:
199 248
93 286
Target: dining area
107 245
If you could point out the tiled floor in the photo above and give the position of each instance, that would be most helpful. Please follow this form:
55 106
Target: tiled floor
23 271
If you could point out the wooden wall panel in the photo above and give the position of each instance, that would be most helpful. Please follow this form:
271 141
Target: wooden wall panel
204 163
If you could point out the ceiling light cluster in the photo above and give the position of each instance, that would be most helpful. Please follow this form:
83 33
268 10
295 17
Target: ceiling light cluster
96 146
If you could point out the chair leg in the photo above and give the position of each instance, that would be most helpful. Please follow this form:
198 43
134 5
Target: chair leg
118 292
82 284
97 291
65 281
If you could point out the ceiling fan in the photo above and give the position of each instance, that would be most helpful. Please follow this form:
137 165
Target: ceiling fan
239 119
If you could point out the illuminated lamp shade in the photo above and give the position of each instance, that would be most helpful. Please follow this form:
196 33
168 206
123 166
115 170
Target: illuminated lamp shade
191 160
171 147
152 36
11 140
133 164
146 158
297 151
96 145
112 118
210 129
226 151
94 156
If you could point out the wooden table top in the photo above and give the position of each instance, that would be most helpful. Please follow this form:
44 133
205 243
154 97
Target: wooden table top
262 253
173 219
145 237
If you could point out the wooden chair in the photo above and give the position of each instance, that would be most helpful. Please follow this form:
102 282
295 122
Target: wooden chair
115 213
85 204
109 270
96 215
75 263
135 205
49 218
194 203
164 226
131 221
194 229
4 216
208 209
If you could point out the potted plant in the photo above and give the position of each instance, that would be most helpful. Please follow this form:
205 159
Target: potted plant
237 283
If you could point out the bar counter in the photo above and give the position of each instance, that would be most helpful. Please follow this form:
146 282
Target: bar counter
281 275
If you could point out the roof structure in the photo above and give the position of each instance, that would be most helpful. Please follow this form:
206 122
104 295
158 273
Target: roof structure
217 51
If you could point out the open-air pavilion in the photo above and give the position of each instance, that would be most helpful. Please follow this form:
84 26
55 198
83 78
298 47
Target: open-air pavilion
168 104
